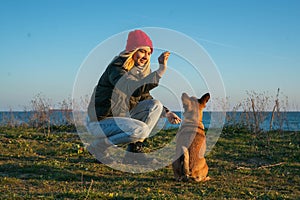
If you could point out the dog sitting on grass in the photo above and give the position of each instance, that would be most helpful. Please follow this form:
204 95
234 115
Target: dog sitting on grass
191 141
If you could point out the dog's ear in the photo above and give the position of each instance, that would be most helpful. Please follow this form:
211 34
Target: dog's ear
204 98
186 102
184 97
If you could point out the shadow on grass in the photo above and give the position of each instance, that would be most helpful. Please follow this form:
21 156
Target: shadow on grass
73 169
40 172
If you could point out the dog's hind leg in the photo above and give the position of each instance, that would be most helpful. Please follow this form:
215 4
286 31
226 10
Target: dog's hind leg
186 162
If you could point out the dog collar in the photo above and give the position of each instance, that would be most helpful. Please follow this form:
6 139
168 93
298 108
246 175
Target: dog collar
191 124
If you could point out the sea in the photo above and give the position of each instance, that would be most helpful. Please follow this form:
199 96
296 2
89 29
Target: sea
286 121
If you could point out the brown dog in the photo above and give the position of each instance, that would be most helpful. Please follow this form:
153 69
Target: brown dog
191 141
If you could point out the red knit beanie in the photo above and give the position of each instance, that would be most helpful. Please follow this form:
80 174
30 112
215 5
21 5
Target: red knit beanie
138 38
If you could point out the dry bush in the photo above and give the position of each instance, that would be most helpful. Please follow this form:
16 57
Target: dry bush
41 110
257 112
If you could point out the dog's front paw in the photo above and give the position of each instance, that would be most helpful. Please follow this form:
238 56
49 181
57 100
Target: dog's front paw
202 179
207 178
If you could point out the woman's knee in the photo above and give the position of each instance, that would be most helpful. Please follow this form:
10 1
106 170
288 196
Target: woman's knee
156 105
141 132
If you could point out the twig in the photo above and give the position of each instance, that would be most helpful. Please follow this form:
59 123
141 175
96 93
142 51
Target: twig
89 189
274 165
255 117
247 168
262 167
276 106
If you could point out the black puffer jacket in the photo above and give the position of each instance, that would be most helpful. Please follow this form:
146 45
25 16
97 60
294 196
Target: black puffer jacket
119 90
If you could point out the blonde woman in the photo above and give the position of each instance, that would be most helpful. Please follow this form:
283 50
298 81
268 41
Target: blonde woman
121 110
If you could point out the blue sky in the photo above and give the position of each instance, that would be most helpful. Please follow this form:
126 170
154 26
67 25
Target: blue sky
254 44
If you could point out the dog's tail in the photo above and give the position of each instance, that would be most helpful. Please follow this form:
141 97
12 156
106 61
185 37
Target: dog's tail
186 161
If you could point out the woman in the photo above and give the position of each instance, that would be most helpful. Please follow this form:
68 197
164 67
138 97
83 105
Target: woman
121 109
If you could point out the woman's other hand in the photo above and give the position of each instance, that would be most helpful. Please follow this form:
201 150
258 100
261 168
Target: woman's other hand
173 118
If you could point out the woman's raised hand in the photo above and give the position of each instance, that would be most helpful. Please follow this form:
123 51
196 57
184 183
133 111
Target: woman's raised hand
163 60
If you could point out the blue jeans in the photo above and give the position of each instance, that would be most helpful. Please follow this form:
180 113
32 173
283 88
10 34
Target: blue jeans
124 130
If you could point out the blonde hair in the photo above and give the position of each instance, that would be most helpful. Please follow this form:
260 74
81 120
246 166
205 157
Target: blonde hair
129 63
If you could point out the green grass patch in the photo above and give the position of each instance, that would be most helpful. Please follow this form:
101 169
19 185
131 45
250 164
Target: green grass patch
242 165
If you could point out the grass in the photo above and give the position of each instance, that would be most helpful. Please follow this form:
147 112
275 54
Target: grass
242 165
